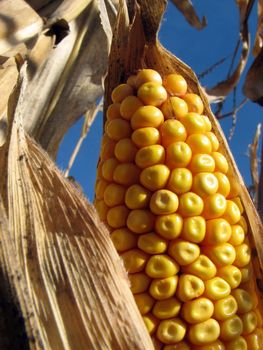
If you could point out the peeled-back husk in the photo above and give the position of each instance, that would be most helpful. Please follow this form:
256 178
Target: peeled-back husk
135 46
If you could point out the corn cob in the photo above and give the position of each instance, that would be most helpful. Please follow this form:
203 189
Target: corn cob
165 191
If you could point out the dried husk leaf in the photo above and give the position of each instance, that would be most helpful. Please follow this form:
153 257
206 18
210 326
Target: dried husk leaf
258 44
187 9
253 86
18 23
223 88
148 52
254 166
72 288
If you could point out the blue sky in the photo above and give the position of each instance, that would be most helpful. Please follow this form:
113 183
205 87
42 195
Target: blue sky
199 49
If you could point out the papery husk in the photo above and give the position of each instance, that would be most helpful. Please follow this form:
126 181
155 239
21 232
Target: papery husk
60 273
136 46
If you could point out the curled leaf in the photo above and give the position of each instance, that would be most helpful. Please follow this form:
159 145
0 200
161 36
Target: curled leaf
187 9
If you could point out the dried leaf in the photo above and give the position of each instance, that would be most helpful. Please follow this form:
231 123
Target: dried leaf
72 72
187 9
253 156
8 79
88 121
18 23
76 293
223 88
258 44
253 86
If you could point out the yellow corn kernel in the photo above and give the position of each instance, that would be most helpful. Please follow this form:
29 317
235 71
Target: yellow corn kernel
123 239
202 162
100 188
147 75
204 332
120 92
223 184
174 107
134 260
194 103
164 202
102 209
225 308
129 106
152 243
231 328
221 163
163 288
216 288
99 169
143 137
189 287
231 275
243 255
234 187
167 308
214 206
169 226
147 116
175 84
254 340
198 310
193 123
250 322
243 299
150 155
232 213
238 202
107 150
190 204
237 344
222 254
217 231
183 252
202 267
152 93
178 155
194 229
113 111
151 322
140 221
205 184
125 150
126 174
172 131
114 195
242 222
208 124
213 139
161 266
246 273
237 235
117 216
171 331
199 143
108 168
118 129
137 197
180 180
155 177
139 282
144 302
216 345
182 345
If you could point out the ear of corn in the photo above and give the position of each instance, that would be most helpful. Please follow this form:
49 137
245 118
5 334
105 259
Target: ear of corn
165 191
